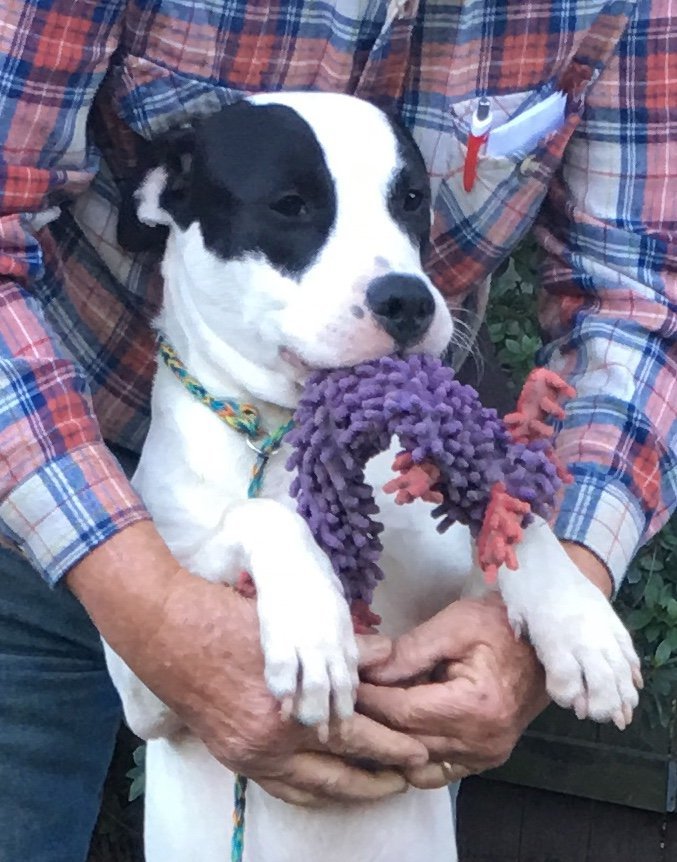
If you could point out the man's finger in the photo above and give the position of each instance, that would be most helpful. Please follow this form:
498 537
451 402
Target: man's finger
329 777
470 756
424 709
364 739
416 652
428 777
292 795
449 748
373 649
454 772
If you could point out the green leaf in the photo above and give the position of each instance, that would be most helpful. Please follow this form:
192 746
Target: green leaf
663 653
137 788
639 618
634 574
139 755
653 589
652 632
667 595
668 538
137 774
650 563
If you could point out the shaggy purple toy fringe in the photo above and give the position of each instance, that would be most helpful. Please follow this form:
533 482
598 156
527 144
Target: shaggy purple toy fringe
347 416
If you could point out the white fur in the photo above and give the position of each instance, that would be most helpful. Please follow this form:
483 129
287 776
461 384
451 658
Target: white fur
232 322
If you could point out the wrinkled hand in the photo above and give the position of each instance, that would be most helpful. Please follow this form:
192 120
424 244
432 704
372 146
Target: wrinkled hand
467 689
196 645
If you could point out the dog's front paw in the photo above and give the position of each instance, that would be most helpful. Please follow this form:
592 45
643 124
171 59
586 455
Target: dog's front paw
590 662
310 650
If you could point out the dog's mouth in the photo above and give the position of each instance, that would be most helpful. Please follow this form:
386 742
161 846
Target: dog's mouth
291 357
303 369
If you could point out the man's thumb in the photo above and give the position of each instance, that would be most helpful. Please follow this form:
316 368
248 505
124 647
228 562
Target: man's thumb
414 654
373 650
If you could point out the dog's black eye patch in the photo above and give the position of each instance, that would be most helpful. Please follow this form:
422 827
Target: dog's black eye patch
409 192
260 184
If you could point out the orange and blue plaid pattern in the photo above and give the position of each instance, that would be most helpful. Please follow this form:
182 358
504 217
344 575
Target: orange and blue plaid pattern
78 78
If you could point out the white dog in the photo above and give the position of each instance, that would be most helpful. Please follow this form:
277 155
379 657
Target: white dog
294 225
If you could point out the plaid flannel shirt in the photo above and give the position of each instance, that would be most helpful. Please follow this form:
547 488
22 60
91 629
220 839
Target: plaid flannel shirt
78 77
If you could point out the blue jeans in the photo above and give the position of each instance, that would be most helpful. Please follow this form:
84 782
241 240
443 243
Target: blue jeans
59 715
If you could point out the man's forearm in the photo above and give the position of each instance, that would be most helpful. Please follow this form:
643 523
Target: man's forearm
132 584
124 582
161 619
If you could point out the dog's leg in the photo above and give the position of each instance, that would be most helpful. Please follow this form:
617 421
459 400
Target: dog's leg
305 625
587 653
306 630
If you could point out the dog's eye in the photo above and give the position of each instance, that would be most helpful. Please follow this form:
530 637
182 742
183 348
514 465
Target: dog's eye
412 200
291 206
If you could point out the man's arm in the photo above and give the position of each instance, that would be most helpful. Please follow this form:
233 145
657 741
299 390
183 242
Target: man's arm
610 310
609 303
61 491
591 566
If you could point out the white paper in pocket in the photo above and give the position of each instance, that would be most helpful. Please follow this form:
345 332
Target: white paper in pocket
525 130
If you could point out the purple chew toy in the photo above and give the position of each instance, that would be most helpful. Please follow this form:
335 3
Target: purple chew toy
346 416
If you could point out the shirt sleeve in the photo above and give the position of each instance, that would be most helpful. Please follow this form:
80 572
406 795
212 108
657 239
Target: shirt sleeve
62 493
609 308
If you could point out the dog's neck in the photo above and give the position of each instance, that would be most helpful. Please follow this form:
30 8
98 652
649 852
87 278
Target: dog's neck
219 367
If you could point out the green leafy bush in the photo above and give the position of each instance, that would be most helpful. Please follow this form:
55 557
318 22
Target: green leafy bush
648 599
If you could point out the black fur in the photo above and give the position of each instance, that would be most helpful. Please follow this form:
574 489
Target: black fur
409 193
167 150
255 178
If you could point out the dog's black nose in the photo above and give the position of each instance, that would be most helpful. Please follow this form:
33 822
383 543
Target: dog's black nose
403 305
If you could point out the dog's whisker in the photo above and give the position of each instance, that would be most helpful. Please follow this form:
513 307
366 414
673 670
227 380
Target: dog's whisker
464 339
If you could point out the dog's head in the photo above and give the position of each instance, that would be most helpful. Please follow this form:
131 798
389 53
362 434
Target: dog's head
295 225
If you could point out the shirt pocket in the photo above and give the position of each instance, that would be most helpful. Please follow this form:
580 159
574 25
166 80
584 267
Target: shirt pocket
498 177
474 231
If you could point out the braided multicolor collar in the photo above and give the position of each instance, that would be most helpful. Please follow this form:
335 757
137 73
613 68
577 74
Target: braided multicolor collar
240 416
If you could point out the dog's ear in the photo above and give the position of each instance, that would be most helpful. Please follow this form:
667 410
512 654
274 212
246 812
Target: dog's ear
158 193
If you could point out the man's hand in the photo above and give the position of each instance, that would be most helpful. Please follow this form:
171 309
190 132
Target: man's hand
477 688
196 646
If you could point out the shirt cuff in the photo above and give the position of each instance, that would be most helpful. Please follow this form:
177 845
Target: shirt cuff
67 508
600 515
